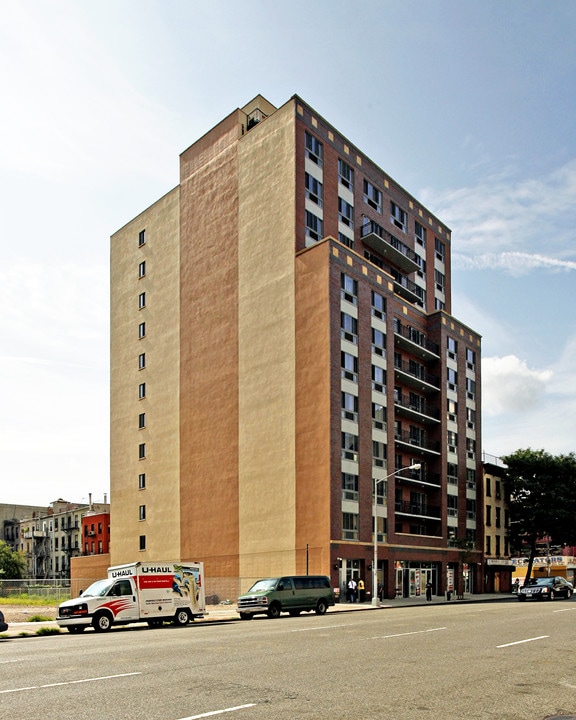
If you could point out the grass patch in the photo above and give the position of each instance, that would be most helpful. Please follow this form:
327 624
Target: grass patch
38 600
39 618
48 631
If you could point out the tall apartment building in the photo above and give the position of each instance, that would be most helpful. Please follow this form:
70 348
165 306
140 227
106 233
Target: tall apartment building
282 350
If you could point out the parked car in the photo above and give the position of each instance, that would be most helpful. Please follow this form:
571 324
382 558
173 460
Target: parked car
3 625
547 588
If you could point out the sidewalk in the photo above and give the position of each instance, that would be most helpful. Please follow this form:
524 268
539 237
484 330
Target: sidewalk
228 613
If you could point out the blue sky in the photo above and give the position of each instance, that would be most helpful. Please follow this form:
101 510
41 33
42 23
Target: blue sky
469 105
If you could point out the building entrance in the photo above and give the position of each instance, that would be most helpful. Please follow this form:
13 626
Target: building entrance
412 577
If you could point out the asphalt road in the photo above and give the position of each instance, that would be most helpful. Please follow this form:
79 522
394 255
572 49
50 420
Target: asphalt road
507 661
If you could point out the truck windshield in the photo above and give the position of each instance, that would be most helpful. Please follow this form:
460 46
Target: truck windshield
263 585
98 589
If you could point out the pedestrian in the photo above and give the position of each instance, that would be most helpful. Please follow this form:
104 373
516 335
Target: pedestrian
361 591
380 592
428 591
352 590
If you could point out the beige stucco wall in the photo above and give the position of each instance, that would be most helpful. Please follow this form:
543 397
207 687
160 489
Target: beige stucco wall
161 375
266 347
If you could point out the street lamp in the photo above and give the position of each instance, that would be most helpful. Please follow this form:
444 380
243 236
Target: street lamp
375 599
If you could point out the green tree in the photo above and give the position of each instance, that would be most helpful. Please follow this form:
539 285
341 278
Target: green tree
12 563
542 491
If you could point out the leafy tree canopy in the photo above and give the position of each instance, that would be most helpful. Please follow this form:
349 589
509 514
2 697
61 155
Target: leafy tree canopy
12 563
542 492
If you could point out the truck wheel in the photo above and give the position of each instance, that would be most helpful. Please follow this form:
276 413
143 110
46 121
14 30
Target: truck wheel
102 622
274 610
76 629
246 616
321 607
182 617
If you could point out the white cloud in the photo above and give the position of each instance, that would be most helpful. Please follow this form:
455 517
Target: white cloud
510 386
514 263
505 223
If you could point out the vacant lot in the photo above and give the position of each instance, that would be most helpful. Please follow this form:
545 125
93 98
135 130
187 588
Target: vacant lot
23 613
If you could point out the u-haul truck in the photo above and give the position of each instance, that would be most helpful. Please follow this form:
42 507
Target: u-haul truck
138 592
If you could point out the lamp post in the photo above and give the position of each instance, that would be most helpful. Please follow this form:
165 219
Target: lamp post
375 599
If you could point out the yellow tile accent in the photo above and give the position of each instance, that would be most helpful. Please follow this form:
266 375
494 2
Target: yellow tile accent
314 122
330 136
364 270
299 109
379 279
348 260
335 251
358 159
386 184
346 149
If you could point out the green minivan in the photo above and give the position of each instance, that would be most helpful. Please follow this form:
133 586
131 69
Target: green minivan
292 594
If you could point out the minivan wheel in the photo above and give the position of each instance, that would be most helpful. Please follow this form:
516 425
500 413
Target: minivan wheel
102 622
274 610
321 607
181 618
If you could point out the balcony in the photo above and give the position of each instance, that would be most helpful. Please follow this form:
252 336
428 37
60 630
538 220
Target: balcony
418 477
416 408
385 244
415 342
71 527
421 510
405 438
415 376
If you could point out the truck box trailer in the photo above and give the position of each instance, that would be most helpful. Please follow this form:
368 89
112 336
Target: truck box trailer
138 592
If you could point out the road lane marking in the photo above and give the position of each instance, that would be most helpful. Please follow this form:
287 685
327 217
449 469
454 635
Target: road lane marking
5 662
323 627
68 682
219 712
565 610
415 632
519 642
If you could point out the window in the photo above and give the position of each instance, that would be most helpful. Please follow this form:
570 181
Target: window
378 342
470 446
313 148
345 212
420 234
378 416
142 269
349 366
498 517
452 473
349 446
380 490
498 489
470 509
452 378
471 417
314 226
452 505
372 196
142 451
488 545
348 328
345 174
349 526
142 542
142 421
142 512
378 305
452 438
398 216
378 378
439 248
488 515
141 330
141 481
497 543
141 361
349 406
349 486
452 407
452 346
348 288
471 479
470 388
345 240
141 391
378 453
313 189
141 301
440 280
470 358
141 238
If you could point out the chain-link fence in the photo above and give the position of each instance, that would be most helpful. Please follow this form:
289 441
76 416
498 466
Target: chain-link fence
57 589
